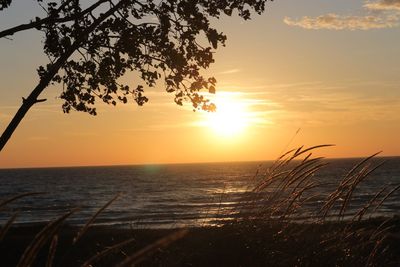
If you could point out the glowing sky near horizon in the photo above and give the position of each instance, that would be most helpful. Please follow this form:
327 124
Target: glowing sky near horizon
330 68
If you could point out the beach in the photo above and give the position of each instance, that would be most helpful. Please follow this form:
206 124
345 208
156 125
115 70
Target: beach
241 244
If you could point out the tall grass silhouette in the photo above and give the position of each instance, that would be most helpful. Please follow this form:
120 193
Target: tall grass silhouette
289 193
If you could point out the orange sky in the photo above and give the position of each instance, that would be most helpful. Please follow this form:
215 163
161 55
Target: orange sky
322 68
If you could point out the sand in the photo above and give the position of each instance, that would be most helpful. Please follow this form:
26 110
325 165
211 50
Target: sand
239 244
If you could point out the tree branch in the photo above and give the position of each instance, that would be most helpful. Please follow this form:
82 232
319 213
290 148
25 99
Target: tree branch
51 19
51 72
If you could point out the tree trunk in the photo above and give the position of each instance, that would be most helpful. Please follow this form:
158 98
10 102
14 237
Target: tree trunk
26 105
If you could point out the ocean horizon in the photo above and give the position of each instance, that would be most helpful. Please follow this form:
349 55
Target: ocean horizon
182 163
168 195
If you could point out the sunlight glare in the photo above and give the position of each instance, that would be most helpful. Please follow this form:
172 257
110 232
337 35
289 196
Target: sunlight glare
230 118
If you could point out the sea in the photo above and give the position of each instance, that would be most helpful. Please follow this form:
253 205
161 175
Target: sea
168 196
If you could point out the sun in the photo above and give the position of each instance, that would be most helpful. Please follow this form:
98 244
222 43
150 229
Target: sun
230 118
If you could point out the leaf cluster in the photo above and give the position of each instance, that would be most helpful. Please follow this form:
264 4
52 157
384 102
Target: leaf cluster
163 40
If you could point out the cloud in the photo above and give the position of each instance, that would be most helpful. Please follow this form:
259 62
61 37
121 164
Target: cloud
38 138
81 134
340 102
381 14
230 71
383 5
337 22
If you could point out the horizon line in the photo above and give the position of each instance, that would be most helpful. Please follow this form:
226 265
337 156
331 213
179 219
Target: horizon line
177 163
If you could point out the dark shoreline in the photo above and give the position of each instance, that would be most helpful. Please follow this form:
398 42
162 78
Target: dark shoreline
240 244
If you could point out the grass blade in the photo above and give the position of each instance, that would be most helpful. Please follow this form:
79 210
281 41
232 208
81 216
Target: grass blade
7 226
11 199
92 219
150 249
105 252
52 251
387 196
40 240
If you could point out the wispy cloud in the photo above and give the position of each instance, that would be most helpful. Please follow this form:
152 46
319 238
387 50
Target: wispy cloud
157 126
38 138
337 22
317 103
231 71
380 14
81 134
383 5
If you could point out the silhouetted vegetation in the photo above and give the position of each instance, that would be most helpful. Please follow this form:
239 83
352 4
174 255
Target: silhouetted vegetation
92 45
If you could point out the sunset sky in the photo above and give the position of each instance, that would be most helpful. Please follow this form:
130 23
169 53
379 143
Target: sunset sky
329 68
